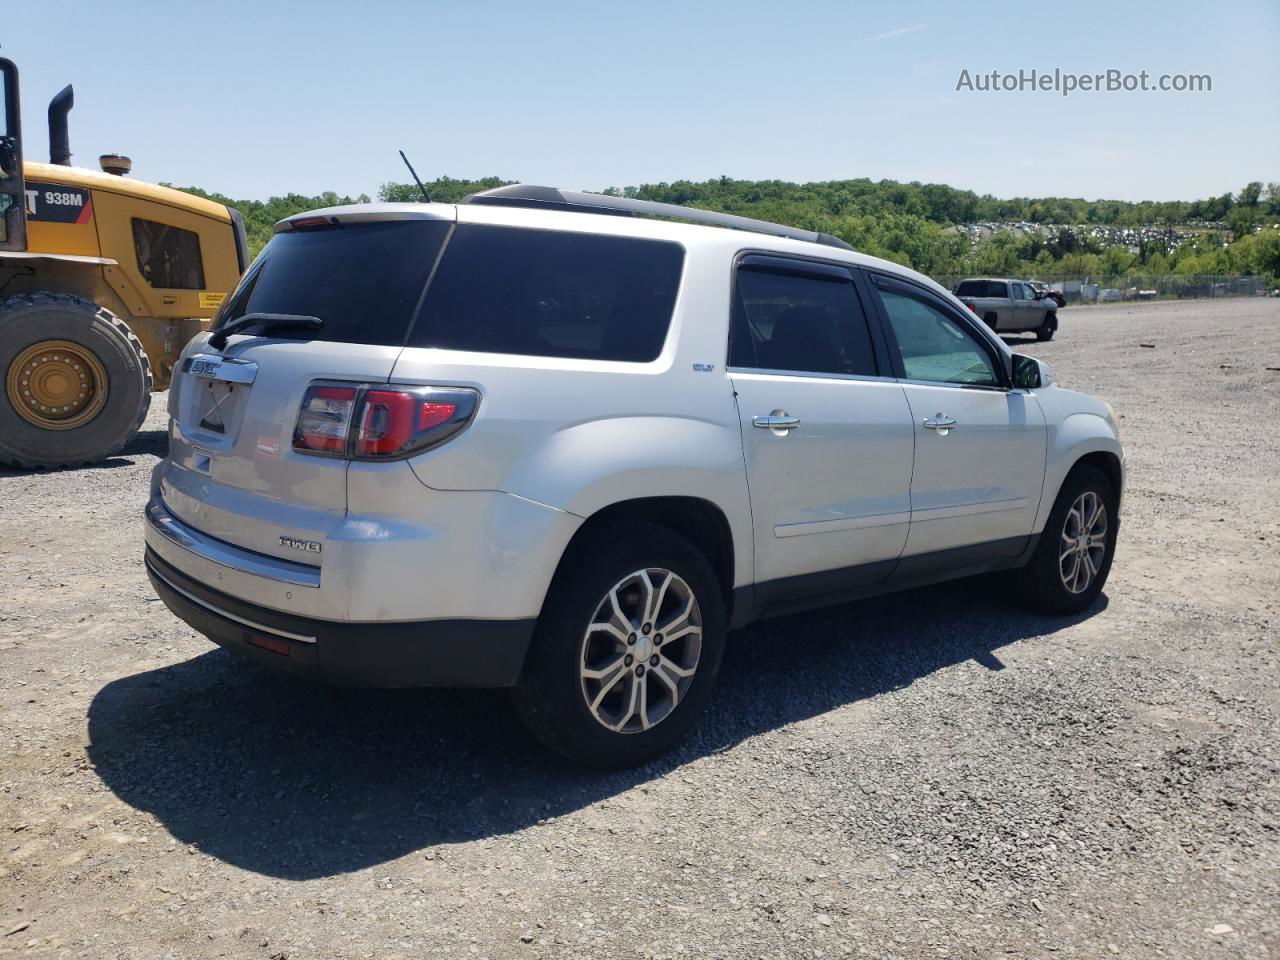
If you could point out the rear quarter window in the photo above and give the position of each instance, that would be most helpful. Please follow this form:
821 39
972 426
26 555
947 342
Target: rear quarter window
552 294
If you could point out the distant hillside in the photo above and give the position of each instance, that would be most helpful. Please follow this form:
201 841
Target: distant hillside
908 223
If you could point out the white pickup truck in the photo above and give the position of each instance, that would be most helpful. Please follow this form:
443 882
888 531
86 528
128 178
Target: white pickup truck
1009 306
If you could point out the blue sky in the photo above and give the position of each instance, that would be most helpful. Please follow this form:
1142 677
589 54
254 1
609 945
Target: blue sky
261 98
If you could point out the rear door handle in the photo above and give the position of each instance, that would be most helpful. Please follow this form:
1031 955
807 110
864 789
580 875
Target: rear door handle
940 422
779 421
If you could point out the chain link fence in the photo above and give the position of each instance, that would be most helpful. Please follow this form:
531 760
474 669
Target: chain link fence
1143 286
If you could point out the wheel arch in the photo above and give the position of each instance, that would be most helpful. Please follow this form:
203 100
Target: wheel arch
1082 439
700 521
1106 461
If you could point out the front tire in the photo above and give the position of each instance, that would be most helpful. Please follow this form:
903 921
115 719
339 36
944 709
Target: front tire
627 649
76 381
1048 328
1073 558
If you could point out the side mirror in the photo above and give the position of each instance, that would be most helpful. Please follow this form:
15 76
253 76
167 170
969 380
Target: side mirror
1030 373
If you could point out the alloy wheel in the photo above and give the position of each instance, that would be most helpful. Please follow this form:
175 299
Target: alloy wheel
640 650
1084 542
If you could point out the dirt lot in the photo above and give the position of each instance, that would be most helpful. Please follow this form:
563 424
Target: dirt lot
935 774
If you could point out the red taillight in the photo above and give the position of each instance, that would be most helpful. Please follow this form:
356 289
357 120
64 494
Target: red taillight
386 422
433 414
325 419
971 307
375 422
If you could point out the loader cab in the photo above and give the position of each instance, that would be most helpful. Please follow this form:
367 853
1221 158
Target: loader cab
13 221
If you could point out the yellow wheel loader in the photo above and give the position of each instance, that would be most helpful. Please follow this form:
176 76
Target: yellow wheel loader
103 279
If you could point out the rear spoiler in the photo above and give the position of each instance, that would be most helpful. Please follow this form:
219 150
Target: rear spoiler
368 213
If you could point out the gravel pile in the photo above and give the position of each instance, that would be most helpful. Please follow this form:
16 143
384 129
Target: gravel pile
933 774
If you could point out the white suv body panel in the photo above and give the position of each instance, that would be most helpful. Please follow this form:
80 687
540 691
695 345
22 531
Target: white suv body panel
987 486
1077 425
582 435
402 552
835 491
474 529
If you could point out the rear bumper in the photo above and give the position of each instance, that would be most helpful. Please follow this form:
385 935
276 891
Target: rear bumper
440 653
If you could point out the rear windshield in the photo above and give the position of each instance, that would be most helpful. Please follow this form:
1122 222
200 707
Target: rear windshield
551 294
982 288
364 280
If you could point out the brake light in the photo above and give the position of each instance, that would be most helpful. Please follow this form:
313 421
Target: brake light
311 223
369 423
972 308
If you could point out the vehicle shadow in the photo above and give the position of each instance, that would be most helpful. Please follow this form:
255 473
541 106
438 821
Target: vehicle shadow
146 443
285 778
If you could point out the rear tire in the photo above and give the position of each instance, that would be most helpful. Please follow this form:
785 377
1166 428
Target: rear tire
1073 558
76 381
1048 328
650 688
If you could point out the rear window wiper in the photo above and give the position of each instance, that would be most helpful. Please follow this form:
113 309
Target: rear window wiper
267 321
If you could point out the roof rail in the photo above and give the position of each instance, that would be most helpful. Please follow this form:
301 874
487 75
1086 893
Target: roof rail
549 198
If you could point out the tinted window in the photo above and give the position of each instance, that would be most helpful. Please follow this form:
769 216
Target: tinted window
785 321
982 288
933 345
364 280
169 257
551 294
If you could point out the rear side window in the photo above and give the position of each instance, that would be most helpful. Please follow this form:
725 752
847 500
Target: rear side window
981 288
551 294
168 257
363 280
801 322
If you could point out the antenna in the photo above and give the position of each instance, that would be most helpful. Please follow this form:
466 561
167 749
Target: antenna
426 197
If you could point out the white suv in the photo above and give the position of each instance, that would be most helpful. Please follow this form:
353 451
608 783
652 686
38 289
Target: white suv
544 440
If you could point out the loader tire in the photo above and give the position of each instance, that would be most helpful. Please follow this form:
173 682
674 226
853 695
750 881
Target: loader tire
76 382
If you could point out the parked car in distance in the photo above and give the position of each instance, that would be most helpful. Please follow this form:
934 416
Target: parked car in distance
1009 306
526 442
1044 290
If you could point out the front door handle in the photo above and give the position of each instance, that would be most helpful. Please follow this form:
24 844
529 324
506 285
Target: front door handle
940 422
779 422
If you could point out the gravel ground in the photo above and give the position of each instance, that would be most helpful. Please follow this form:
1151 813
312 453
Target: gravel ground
934 774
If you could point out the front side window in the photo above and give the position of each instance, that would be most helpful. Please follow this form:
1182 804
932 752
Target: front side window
934 346
549 293
800 322
168 256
